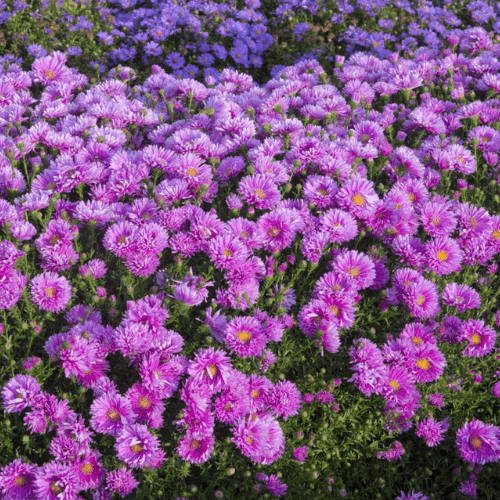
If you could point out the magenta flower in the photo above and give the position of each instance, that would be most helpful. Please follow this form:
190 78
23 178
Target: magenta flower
259 191
300 453
50 69
339 225
427 363
245 336
463 297
210 370
478 442
137 447
275 486
196 449
55 481
431 430
50 292
121 481
17 480
110 412
19 393
480 337
438 219
443 255
356 268
227 252
284 399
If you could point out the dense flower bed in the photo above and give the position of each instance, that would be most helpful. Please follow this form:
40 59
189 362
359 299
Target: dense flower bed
227 288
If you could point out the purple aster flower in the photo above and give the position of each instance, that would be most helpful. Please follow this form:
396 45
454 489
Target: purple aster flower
50 292
431 430
339 225
438 219
462 296
51 69
436 400
427 363
196 449
412 496
357 196
259 191
245 336
275 486
17 480
488 139
355 267
137 447
19 393
284 399
110 412
210 370
422 298
478 442
443 255
300 453
121 481
480 337
226 252
56 481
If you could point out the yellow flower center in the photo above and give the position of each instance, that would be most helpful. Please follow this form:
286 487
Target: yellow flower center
86 469
255 394
227 407
353 271
50 291
227 252
273 232
55 488
416 340
485 139
473 223
112 415
212 369
122 240
411 197
191 172
194 444
322 192
496 234
476 442
245 337
358 199
442 255
49 74
136 448
144 403
436 220
423 363
334 310
20 481
365 137
158 374
460 159
394 385
249 440
420 300
260 194
475 339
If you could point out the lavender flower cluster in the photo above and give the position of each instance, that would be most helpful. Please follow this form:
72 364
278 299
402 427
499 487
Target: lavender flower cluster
248 182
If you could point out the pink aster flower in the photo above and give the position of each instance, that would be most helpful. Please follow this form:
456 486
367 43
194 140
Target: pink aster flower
277 229
17 480
463 297
427 363
121 481
50 292
19 393
438 219
357 196
284 399
480 337
110 412
137 447
339 225
51 69
227 252
422 298
432 430
275 486
443 255
245 336
478 442
259 191
196 449
412 496
355 267
300 453
56 481
210 370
